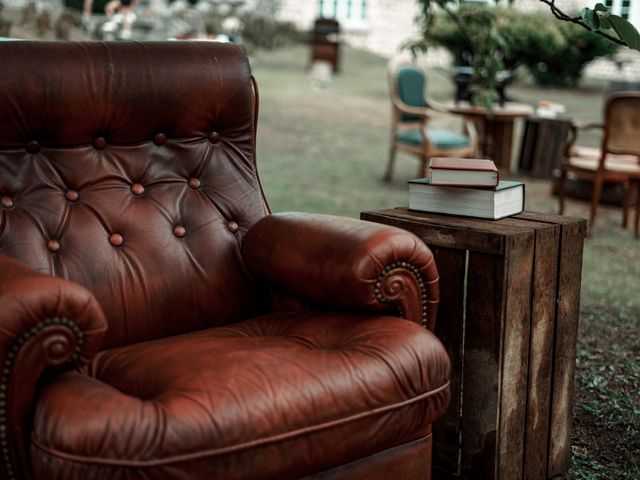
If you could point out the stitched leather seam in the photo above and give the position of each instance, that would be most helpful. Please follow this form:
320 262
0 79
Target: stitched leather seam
233 448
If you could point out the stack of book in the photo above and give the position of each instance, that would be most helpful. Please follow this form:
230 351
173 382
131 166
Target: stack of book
466 187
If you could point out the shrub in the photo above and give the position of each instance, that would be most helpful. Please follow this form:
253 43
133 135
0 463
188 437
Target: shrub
555 53
260 31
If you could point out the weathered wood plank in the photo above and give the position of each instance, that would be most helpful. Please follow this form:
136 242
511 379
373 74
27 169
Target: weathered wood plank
543 311
573 231
564 355
481 364
552 219
515 354
449 329
448 231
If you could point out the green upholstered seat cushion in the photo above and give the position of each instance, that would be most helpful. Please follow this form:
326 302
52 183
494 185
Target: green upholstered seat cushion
440 139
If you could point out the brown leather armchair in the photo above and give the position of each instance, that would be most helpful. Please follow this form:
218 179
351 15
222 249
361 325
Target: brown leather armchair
156 322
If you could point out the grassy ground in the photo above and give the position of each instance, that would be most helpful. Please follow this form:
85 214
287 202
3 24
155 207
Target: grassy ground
325 150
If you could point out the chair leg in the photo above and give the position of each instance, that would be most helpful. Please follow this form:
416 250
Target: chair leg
422 169
561 181
637 189
627 204
595 201
392 160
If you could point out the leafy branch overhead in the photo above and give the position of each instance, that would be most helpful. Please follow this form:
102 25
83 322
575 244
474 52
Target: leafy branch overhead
598 20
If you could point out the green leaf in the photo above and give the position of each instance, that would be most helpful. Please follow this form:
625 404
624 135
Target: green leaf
626 32
605 22
590 17
600 8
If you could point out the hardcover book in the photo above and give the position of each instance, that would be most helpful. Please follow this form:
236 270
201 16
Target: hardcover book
507 198
468 172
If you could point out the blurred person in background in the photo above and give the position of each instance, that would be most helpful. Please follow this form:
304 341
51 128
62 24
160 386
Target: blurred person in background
120 11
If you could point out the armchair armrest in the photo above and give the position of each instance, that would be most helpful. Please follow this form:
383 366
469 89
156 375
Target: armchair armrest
572 135
45 322
345 263
440 107
422 112
587 126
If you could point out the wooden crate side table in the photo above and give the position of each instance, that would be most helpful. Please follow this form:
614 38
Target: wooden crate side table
543 146
508 317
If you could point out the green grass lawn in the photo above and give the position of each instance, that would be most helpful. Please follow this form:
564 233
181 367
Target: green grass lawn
325 150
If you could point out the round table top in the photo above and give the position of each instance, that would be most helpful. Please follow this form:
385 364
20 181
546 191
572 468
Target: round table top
510 110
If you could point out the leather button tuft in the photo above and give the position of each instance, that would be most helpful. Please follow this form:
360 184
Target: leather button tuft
214 137
33 146
6 202
233 227
72 195
116 239
99 143
53 245
137 189
194 182
179 231
160 139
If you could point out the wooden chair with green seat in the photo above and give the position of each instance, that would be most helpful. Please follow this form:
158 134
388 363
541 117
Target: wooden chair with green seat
410 117
617 160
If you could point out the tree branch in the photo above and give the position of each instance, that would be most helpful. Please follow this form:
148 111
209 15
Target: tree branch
559 14
458 22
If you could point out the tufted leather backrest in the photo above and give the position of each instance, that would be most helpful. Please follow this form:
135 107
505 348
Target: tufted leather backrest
130 169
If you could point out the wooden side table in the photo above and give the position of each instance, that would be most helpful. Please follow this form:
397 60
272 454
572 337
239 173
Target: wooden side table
508 317
495 130
543 145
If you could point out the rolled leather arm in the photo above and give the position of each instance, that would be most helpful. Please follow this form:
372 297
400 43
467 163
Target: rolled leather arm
45 322
344 263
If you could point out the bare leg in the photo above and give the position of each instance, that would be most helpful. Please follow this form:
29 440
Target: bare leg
87 7
111 8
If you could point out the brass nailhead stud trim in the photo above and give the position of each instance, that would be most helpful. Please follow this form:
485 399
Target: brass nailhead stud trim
7 371
416 273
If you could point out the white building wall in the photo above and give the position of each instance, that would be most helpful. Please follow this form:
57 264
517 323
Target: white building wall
301 13
390 23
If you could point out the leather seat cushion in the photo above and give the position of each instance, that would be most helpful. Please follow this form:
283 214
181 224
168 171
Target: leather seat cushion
440 139
587 158
330 387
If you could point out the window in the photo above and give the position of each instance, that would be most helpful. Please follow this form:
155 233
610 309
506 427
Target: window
624 9
628 9
344 11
